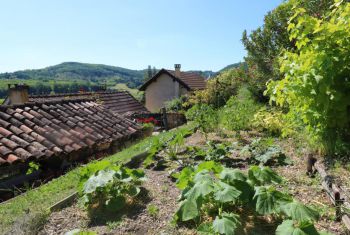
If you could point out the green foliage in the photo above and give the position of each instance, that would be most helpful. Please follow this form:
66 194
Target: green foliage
239 111
153 149
80 232
91 169
204 116
32 167
152 210
299 212
177 104
289 227
174 145
315 86
216 152
213 195
275 122
109 189
226 223
261 175
265 152
265 44
221 88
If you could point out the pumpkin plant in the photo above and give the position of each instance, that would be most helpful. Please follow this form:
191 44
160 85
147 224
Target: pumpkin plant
110 189
213 197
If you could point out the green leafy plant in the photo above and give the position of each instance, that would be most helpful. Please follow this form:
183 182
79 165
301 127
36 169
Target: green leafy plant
152 210
265 152
110 189
275 122
154 148
80 232
204 116
316 82
91 169
176 144
213 196
239 111
32 167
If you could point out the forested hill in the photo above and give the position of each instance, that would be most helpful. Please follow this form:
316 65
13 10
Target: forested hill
80 71
74 76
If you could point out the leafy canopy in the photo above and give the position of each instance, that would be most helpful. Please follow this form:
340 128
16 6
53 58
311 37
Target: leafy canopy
316 74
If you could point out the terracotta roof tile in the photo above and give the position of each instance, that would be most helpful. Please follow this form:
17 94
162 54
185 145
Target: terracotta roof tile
60 128
117 101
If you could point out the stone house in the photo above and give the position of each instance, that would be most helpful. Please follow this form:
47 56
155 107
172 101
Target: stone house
170 84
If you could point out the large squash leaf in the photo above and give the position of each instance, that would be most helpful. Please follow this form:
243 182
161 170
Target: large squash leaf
261 175
210 166
231 175
226 223
227 193
205 229
299 212
185 177
100 180
189 209
269 200
289 227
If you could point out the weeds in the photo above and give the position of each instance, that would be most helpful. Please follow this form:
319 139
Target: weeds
153 210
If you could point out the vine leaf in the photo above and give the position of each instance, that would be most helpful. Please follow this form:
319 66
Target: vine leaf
226 223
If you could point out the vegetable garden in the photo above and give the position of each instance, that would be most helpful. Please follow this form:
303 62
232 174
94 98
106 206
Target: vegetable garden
196 183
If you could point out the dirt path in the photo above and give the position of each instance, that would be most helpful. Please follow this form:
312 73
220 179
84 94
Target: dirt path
152 217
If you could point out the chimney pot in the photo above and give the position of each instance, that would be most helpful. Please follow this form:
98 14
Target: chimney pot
177 70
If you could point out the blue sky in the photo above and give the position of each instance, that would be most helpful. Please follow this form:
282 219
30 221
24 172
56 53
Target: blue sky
199 34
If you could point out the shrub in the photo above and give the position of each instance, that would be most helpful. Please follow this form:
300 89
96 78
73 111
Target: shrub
239 111
221 88
177 105
274 122
204 116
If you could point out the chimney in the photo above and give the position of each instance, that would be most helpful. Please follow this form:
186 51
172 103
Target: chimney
18 94
178 70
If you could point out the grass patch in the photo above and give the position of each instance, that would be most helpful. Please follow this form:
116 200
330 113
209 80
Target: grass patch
41 198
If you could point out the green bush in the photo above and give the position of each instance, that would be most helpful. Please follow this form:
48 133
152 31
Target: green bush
275 122
177 105
239 111
204 116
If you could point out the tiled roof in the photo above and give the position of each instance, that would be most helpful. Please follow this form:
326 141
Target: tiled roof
117 101
40 131
191 81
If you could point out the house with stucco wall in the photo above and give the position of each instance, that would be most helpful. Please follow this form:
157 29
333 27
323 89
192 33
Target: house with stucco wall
170 84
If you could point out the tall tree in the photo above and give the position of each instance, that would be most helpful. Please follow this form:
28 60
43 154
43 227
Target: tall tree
266 43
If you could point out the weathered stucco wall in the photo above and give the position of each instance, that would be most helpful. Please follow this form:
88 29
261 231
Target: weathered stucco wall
163 89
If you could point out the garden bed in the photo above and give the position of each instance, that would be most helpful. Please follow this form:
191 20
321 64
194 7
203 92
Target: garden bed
155 208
